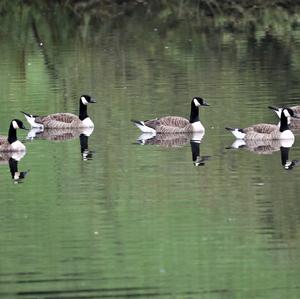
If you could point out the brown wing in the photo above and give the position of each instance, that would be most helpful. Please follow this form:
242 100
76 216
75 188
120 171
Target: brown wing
296 110
3 140
174 121
58 120
261 129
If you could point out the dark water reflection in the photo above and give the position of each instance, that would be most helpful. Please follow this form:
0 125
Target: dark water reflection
99 216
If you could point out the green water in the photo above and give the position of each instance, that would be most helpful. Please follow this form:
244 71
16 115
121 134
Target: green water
138 220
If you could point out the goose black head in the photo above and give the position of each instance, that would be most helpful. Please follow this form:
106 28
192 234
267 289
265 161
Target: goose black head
288 112
86 99
198 101
18 124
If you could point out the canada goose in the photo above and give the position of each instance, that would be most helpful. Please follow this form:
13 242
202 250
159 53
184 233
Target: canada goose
11 143
63 120
267 131
295 123
175 124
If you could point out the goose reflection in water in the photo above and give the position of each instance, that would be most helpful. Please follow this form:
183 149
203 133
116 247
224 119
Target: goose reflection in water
63 135
12 159
267 147
177 140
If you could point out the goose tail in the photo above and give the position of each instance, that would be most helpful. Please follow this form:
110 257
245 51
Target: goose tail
31 120
238 133
141 125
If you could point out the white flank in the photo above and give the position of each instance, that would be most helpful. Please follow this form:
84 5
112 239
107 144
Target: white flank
287 142
287 134
31 121
18 146
144 128
238 143
198 127
238 134
18 155
87 131
197 137
87 123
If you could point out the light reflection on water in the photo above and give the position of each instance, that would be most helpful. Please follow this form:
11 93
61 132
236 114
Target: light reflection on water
114 214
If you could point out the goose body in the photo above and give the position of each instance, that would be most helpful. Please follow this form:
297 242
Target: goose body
11 143
295 123
267 131
63 120
175 124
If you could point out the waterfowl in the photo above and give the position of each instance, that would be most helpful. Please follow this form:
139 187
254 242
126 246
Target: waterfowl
11 143
175 124
295 123
63 120
267 131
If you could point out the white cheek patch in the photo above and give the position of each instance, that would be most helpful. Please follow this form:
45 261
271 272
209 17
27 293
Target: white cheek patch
15 125
286 113
84 101
196 102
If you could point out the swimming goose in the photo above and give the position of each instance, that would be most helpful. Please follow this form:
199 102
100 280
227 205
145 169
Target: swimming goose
11 143
267 131
295 123
175 124
64 120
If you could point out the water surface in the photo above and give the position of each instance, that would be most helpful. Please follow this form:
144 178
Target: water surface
127 219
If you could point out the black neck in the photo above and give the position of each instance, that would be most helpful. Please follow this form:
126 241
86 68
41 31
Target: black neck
283 122
284 154
195 147
84 142
12 134
82 111
13 166
194 116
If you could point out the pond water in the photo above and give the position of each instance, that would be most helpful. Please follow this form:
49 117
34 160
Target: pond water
113 215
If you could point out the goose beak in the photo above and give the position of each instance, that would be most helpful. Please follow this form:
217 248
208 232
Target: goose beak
205 103
92 100
273 108
296 116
